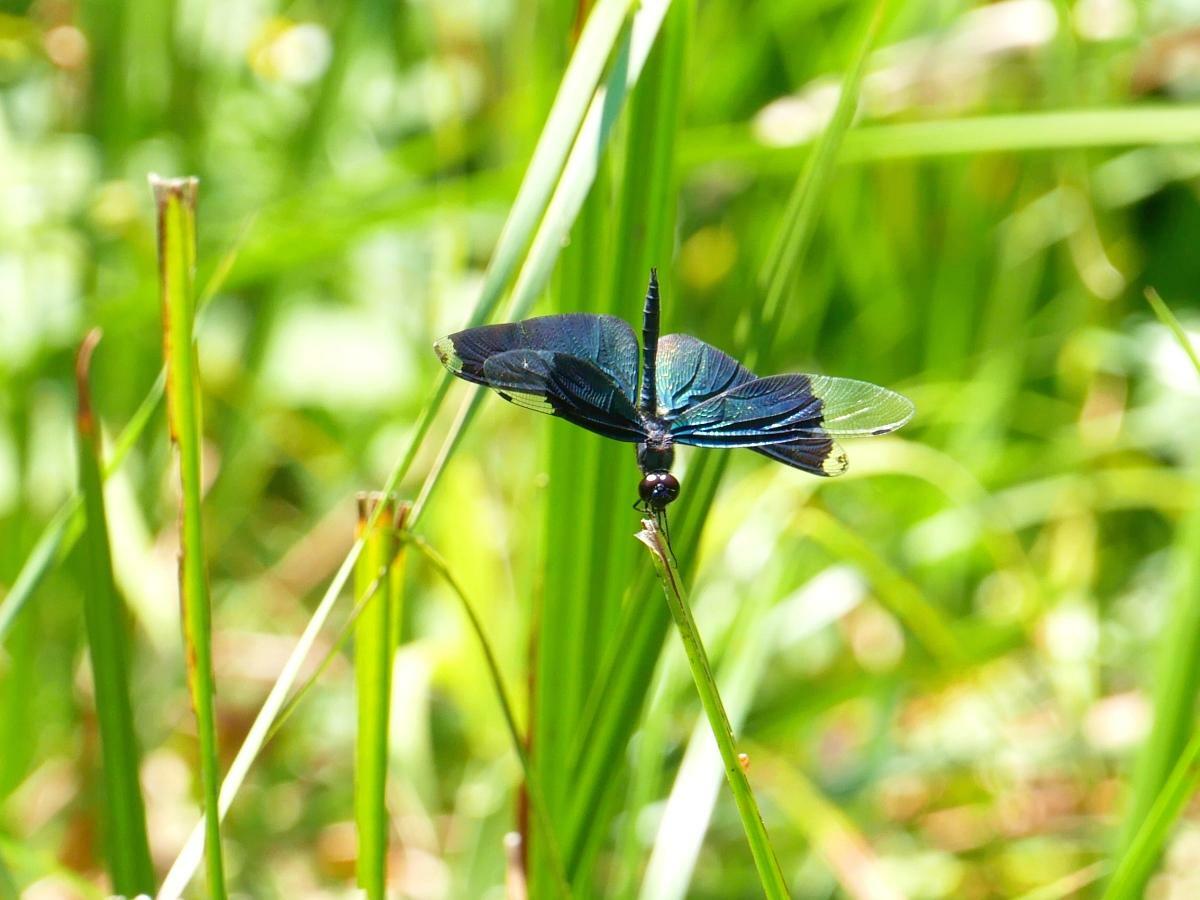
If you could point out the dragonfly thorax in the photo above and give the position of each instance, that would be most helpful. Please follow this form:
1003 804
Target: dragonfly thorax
657 452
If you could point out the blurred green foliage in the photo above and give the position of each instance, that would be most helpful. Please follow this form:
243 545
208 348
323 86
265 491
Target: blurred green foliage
361 158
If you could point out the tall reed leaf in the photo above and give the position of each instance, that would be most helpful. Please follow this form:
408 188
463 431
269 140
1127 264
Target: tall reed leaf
800 218
606 277
124 813
620 686
572 189
1137 863
1176 685
373 688
566 611
769 874
1061 129
176 202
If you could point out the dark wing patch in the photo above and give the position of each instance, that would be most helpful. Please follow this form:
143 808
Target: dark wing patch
607 342
819 457
690 371
565 386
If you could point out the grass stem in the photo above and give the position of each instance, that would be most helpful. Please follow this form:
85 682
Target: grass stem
537 797
175 199
769 873
373 681
124 812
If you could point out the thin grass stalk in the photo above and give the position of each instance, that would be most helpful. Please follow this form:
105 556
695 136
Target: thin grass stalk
800 219
899 595
1177 682
373 690
1137 862
124 814
770 876
1008 133
176 202
64 528
831 832
1173 325
533 784
688 810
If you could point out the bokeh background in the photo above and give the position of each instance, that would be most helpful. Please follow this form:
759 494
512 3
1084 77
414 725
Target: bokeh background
943 665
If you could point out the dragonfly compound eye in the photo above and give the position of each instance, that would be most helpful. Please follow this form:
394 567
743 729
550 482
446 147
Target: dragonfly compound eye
658 489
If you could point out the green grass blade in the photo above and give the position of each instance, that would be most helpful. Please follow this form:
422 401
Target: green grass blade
572 189
800 218
533 784
769 874
620 686
1168 318
1137 863
1176 685
572 105
830 831
589 564
48 548
176 203
563 636
923 620
688 809
373 690
185 864
124 813
1064 129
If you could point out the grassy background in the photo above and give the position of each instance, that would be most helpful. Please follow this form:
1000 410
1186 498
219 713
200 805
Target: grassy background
943 664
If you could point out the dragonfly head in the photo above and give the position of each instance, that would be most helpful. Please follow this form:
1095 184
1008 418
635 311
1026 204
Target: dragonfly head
657 489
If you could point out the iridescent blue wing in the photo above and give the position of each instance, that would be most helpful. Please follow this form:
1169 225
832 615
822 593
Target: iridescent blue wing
690 371
562 385
566 386
791 409
607 342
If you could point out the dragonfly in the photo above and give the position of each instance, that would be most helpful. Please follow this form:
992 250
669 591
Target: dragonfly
583 367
